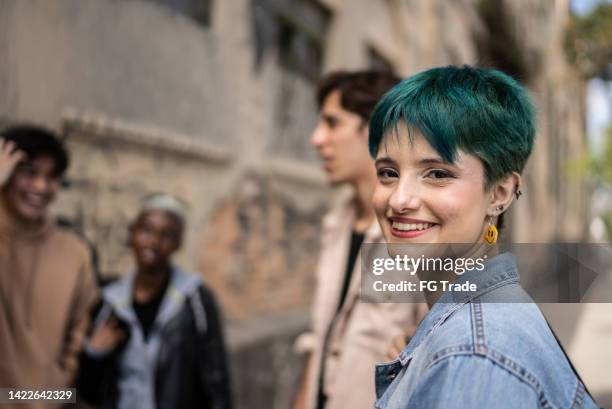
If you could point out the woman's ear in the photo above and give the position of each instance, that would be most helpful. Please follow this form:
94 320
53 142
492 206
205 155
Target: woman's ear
503 193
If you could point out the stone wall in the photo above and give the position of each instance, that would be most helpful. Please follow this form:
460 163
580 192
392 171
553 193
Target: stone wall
150 100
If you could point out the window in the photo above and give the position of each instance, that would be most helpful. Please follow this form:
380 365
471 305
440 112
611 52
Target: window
377 62
296 28
199 10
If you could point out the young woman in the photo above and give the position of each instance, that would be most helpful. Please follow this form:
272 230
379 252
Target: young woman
157 338
450 146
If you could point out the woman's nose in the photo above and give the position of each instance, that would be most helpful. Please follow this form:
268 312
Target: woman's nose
404 198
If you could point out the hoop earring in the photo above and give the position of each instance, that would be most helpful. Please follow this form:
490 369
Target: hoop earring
491 233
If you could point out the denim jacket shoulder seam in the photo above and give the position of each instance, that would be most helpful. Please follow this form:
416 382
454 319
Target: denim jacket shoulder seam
478 330
501 361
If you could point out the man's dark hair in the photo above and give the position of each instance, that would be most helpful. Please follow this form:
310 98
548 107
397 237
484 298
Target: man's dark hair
359 90
35 141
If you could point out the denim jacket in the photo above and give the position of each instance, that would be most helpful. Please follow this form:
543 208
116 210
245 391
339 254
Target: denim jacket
473 351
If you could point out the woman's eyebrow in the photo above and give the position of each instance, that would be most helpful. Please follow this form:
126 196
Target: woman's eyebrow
434 161
385 160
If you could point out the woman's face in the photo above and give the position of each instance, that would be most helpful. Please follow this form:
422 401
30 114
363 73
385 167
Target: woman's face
421 199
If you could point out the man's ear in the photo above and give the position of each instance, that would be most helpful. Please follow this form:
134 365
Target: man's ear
503 192
364 129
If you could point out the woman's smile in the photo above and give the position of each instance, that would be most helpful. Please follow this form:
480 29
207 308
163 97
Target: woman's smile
407 228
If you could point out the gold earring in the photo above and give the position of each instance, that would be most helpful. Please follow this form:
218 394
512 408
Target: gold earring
491 233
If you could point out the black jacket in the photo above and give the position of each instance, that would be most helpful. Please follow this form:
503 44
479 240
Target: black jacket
191 369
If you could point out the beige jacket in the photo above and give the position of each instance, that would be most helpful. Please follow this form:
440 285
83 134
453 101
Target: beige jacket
46 290
361 335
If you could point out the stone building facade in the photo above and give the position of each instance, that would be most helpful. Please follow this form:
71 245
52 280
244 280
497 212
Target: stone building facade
213 101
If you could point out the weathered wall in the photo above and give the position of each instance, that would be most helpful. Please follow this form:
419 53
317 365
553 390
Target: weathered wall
151 101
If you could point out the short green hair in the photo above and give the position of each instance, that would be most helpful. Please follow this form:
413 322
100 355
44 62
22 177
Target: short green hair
482 111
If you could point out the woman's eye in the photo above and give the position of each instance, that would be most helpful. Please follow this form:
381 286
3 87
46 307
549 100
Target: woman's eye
439 174
387 173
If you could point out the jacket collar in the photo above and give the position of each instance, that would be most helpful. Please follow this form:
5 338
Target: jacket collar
342 218
181 286
498 271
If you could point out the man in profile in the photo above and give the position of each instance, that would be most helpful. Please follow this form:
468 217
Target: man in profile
347 338
46 283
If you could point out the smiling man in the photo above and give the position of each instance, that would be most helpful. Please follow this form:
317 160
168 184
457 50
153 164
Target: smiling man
346 336
46 282
157 341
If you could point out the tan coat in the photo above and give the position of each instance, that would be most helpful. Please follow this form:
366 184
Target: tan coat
46 290
361 335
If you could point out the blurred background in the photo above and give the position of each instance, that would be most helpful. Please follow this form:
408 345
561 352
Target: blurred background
212 101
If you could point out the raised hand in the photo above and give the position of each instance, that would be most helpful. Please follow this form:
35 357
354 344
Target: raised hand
399 342
107 336
9 158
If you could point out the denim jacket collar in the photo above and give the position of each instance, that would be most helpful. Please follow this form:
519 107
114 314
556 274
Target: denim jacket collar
498 271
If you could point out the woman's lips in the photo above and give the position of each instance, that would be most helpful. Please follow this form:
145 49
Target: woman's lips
410 230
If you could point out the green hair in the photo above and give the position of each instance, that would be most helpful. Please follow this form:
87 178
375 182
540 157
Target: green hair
482 111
